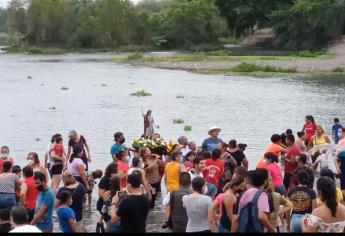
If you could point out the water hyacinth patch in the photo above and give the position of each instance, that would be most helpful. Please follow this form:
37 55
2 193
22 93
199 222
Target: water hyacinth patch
141 93
178 121
188 128
64 88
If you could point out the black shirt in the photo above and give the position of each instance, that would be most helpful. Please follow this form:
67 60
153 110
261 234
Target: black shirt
239 156
78 195
5 228
133 211
104 183
301 198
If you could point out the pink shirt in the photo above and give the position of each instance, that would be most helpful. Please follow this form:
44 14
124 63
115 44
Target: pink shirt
340 145
274 170
73 167
219 200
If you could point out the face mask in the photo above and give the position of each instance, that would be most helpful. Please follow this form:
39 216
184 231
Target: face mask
4 155
30 162
40 188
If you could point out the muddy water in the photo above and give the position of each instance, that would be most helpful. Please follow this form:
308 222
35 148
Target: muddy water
98 103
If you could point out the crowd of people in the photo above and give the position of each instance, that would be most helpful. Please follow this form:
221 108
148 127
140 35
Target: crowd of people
209 188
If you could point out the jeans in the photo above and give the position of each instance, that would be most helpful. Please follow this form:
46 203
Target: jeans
7 200
211 189
221 229
296 223
280 189
113 228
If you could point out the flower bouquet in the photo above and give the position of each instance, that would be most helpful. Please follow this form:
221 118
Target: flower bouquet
157 146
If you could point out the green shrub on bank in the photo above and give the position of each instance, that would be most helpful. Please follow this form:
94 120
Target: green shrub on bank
135 56
248 68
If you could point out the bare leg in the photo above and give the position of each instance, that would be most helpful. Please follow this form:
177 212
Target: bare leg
56 179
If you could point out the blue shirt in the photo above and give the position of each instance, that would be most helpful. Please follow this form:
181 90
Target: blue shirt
45 197
210 144
341 156
335 131
116 148
64 214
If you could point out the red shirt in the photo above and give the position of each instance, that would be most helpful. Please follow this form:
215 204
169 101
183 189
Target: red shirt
291 151
213 171
123 166
58 149
188 165
2 162
31 193
309 129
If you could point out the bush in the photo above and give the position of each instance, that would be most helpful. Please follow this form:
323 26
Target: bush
248 68
135 56
338 70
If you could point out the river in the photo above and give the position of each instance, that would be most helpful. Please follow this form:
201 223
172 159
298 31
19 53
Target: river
249 109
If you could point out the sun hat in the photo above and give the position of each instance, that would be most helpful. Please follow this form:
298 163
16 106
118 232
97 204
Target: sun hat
72 133
214 128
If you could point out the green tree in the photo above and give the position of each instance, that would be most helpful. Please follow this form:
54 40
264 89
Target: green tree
16 16
3 20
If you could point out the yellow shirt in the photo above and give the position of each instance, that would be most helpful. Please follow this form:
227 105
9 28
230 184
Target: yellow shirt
317 140
172 173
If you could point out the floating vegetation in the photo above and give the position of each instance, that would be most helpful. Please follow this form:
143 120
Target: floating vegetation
178 121
188 128
29 77
52 108
64 88
38 140
104 85
141 93
180 97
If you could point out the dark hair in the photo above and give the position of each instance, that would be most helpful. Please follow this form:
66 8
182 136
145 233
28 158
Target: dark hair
16 169
302 158
237 180
343 130
134 179
58 139
326 186
28 171
241 171
117 135
258 177
336 120
64 197
300 134
77 149
206 154
19 215
40 176
191 153
270 156
97 174
5 147
197 184
120 155
6 166
288 131
291 138
5 214
216 154
185 179
111 169
135 161
303 177
54 137
35 156
327 173
311 118
197 160
233 143
242 146
114 185
275 138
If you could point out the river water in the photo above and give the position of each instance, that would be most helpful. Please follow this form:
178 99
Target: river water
98 103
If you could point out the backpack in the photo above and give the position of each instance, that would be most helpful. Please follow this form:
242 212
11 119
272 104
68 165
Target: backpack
248 221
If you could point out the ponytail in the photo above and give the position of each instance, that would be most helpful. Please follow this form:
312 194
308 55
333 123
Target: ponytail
326 186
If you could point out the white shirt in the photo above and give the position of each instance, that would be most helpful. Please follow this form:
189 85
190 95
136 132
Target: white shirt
322 159
185 150
26 229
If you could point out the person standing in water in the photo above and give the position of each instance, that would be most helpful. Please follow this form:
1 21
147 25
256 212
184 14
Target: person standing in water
76 140
148 124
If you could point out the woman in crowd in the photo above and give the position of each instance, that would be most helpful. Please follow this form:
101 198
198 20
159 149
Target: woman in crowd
197 205
237 154
319 138
103 186
301 142
123 168
66 214
303 199
5 156
230 165
8 182
78 193
173 170
77 140
28 192
309 128
274 170
225 202
34 162
77 168
330 216
213 171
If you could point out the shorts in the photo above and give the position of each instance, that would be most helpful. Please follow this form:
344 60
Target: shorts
296 225
221 228
280 189
56 169
113 228
287 179
7 200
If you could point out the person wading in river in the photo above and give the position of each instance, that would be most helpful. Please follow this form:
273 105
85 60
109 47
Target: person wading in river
75 140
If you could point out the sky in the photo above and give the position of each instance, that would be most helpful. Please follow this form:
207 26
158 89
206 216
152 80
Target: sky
3 3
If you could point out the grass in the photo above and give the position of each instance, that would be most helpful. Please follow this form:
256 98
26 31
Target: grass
188 128
338 70
141 93
248 68
178 121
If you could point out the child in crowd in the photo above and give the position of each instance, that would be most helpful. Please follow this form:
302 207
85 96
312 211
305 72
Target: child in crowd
321 158
18 171
91 177
59 152
5 220
335 130
65 214
189 162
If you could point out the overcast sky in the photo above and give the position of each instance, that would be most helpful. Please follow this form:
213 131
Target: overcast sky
3 3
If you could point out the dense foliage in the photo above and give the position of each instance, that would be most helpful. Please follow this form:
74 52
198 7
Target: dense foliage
171 23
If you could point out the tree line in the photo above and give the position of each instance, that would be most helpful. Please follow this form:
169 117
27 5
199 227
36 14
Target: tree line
298 24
